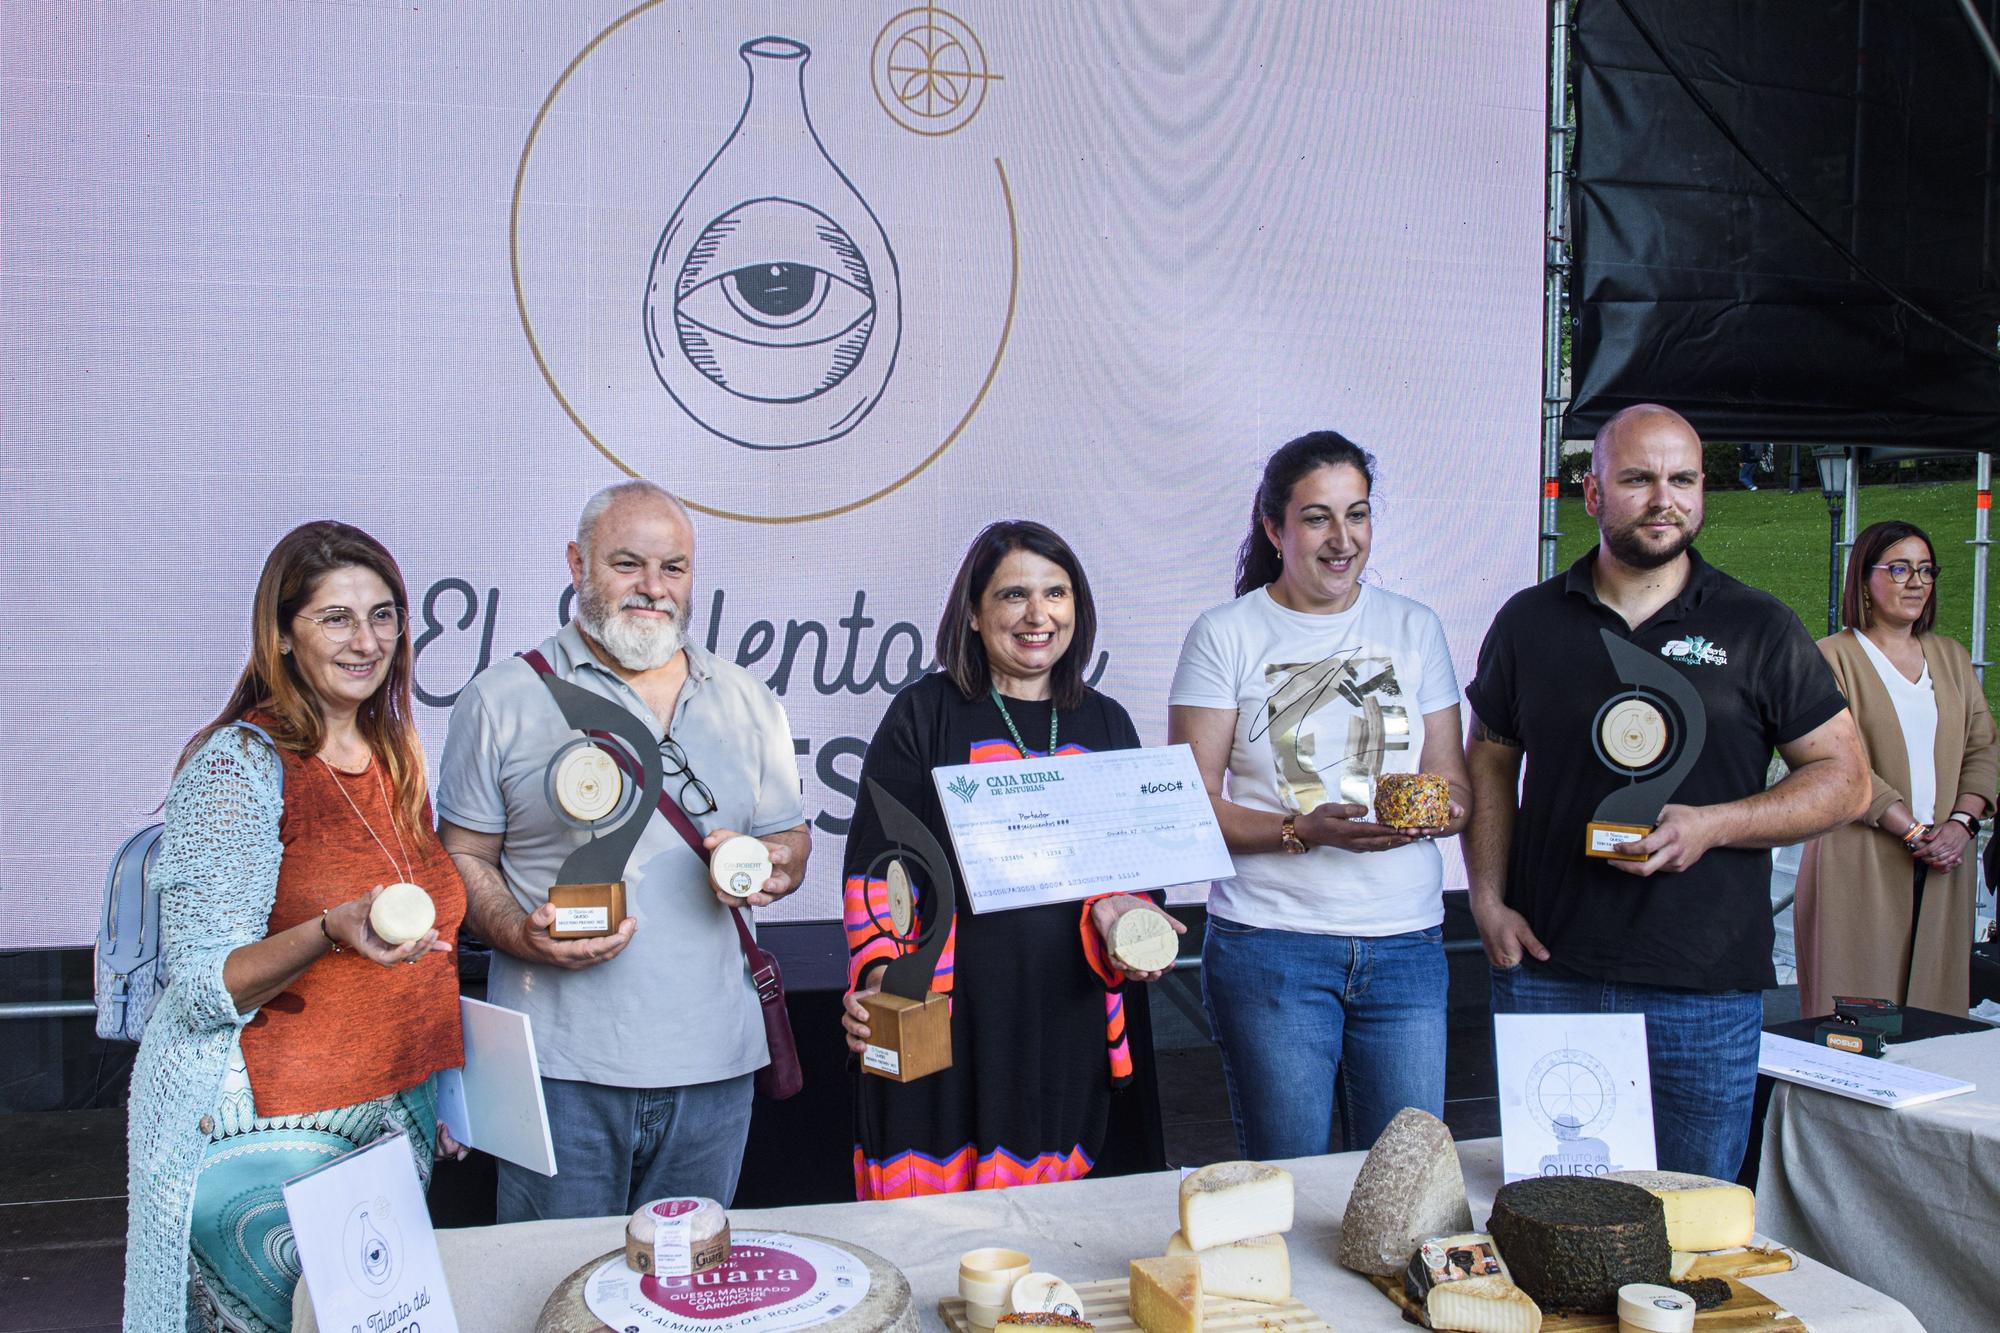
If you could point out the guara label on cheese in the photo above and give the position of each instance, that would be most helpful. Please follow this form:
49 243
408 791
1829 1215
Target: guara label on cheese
773 1282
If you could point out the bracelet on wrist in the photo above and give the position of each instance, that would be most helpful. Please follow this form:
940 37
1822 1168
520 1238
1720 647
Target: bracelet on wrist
329 934
1915 831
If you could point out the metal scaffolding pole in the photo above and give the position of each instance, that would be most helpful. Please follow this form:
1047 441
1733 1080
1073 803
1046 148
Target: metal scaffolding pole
1982 507
1555 280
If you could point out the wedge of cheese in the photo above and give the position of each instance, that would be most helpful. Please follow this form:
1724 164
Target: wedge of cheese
1482 1305
1702 1213
1257 1269
1166 1294
1232 1201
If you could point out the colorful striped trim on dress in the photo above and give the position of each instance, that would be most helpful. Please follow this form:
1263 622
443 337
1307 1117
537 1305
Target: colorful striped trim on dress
913 1174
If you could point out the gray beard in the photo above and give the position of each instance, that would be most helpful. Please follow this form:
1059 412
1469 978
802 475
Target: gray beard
634 646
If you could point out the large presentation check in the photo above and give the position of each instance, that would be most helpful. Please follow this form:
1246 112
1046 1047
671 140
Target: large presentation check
1032 831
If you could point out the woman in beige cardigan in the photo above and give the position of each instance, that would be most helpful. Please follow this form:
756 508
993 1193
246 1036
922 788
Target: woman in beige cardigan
1885 904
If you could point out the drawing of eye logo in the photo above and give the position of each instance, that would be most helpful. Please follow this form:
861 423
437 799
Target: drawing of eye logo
774 302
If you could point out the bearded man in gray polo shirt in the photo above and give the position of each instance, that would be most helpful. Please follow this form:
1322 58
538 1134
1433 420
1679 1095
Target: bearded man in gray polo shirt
648 1037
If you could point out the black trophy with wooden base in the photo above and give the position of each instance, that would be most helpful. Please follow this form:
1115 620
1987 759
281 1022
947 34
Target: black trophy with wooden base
1650 734
588 784
909 1024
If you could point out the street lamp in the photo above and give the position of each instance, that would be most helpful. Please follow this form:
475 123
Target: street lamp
1832 463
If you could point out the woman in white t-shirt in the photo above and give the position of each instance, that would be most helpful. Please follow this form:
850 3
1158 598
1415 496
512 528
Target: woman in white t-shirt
1323 969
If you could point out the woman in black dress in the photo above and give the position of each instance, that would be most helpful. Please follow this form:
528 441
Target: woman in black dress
1039 1018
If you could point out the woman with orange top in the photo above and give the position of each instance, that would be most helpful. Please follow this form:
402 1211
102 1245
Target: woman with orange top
1040 1011
289 1032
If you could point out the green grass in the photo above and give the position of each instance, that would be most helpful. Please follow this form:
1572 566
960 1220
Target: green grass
1777 542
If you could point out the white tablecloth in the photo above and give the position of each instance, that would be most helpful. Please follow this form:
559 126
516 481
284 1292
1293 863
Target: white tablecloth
1908 1201
1084 1231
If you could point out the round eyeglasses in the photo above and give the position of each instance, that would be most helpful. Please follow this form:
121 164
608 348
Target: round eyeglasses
339 625
1901 570
677 767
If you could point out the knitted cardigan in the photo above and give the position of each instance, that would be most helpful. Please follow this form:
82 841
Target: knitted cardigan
217 874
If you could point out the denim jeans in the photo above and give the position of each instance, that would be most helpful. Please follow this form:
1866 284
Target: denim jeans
617 1148
1304 1018
1702 1047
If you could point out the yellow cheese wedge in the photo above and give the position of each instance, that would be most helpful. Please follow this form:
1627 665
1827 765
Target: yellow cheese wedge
1232 1201
1166 1294
1257 1269
1702 1213
1482 1305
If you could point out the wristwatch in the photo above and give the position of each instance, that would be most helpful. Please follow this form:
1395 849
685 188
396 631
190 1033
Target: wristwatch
1971 823
1288 836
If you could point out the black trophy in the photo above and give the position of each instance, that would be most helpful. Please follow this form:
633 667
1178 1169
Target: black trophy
588 786
909 1024
1651 735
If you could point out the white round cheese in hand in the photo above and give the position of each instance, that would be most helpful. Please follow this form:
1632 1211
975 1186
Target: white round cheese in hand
1143 940
401 913
740 867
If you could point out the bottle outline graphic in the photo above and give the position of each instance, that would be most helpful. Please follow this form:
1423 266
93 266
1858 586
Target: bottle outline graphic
376 1258
773 304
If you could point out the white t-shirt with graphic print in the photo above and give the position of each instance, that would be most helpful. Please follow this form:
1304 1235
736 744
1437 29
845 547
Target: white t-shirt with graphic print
1325 704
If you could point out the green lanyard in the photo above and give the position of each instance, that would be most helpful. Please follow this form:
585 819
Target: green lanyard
1015 731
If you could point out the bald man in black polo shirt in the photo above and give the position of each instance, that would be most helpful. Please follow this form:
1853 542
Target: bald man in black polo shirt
1682 932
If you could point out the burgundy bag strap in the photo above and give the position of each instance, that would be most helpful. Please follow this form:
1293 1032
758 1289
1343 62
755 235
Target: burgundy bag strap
762 973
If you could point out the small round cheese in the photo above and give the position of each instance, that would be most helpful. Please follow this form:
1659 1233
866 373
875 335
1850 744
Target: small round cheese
1656 1309
1143 940
401 913
1044 1293
705 1226
740 866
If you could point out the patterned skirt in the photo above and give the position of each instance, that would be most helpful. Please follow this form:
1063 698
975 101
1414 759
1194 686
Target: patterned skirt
244 1262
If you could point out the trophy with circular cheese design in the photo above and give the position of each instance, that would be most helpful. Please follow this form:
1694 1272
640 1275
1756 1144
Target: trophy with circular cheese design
1649 734
909 1024
589 785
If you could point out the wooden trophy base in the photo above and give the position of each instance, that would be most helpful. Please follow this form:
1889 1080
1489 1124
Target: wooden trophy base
1604 840
907 1039
586 911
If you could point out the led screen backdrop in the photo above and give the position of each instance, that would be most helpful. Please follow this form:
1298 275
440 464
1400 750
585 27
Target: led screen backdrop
852 278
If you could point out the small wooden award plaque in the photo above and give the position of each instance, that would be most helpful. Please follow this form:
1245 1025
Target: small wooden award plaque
907 1039
586 911
1604 840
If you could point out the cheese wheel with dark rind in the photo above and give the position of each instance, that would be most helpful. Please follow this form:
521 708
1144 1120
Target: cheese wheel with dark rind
1572 1241
888 1307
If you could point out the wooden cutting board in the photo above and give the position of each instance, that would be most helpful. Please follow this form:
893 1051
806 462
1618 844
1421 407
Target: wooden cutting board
1745 1311
1107 1304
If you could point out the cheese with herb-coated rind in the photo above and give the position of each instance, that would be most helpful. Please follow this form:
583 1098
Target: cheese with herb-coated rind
1257 1269
1702 1213
1232 1201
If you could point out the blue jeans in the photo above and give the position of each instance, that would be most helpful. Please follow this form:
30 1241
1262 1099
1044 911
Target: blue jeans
1304 1018
1702 1047
617 1148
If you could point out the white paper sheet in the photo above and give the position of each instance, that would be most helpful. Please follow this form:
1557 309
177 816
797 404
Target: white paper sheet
365 1242
1864 1078
1033 831
1576 1094
495 1103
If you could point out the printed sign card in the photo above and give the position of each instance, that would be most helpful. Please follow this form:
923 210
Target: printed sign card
365 1241
1576 1094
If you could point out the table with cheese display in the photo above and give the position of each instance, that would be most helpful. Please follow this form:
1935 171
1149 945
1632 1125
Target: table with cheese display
1083 1231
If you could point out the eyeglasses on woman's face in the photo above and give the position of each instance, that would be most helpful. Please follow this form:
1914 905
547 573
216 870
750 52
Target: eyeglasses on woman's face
340 624
1901 571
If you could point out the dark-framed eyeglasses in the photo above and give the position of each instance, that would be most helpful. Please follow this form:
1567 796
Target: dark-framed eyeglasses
1901 570
341 624
677 767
